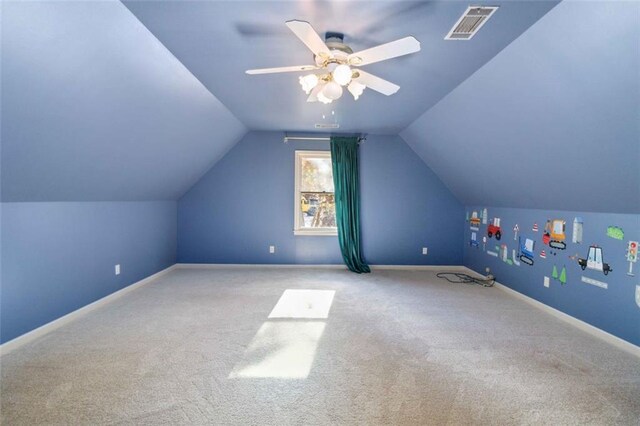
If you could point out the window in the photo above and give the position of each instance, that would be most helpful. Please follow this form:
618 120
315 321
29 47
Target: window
315 207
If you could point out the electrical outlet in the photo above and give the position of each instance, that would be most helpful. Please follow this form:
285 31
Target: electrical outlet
117 269
424 250
272 249
546 281
487 270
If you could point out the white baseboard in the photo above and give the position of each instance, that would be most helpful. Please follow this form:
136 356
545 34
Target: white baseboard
439 268
319 266
586 327
253 266
19 341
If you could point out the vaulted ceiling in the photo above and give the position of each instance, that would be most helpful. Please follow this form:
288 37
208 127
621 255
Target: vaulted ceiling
218 41
137 100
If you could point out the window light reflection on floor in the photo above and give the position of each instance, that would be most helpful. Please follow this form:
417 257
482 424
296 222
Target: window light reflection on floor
312 304
281 350
286 349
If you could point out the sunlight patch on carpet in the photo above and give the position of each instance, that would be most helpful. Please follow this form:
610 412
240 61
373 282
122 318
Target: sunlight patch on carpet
311 304
281 350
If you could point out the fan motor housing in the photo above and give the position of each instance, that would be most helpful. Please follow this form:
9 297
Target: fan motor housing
335 41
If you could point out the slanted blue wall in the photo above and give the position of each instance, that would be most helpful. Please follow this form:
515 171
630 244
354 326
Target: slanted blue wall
552 122
613 310
95 108
245 203
58 257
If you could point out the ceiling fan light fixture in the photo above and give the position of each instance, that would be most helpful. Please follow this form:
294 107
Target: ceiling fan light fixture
332 90
356 89
308 82
342 74
337 66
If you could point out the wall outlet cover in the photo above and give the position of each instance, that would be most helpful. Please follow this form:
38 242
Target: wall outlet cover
424 250
272 249
546 281
117 269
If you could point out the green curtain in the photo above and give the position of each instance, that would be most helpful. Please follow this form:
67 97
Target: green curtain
344 157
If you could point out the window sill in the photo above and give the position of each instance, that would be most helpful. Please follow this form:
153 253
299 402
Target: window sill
316 232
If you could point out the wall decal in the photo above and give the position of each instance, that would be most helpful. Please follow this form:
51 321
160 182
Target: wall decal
474 240
577 230
563 274
485 216
514 258
492 253
526 247
594 261
632 255
515 232
638 295
543 254
615 232
494 228
597 283
535 227
484 243
554 234
503 252
474 222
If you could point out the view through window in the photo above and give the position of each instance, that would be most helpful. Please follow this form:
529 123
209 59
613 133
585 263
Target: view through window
315 208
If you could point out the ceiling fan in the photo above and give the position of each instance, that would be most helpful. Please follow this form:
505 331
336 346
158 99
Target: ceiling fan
336 65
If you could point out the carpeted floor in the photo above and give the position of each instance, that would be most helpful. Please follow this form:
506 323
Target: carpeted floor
396 347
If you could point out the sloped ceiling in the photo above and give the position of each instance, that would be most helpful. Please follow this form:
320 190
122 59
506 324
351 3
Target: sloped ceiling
552 122
95 108
219 40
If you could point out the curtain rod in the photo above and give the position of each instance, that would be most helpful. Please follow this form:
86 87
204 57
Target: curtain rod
315 138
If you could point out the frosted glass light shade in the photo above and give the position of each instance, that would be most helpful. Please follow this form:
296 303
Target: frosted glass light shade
342 74
322 98
356 89
332 90
308 82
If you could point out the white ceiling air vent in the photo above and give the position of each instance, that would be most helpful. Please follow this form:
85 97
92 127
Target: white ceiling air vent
327 125
470 22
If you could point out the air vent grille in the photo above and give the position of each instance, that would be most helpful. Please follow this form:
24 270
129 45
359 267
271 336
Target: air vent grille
327 126
470 22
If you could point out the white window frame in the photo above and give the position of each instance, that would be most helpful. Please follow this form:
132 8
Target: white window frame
298 228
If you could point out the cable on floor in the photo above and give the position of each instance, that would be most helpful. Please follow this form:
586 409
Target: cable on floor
459 278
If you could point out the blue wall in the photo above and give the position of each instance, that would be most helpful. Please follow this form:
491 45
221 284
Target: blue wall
613 310
95 108
58 257
552 122
245 203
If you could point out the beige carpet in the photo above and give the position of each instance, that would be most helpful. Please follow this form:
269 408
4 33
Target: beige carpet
392 347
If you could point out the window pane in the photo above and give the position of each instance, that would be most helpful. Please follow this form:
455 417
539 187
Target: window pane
318 209
316 175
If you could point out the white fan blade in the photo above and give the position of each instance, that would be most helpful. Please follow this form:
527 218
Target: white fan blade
282 69
376 83
313 96
401 47
305 32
